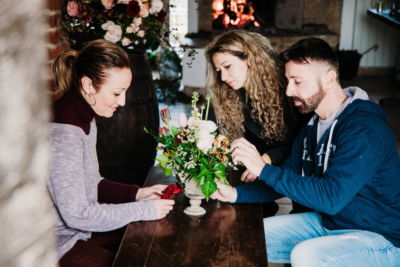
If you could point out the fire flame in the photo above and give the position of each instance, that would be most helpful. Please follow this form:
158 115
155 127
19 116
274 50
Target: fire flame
233 13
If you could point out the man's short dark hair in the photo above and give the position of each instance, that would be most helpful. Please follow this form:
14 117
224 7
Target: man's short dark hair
310 49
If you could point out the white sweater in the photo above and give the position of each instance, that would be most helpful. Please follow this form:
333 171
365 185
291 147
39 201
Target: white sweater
74 177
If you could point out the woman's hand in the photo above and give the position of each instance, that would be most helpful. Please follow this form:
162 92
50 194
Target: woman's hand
225 193
247 176
150 192
245 152
163 207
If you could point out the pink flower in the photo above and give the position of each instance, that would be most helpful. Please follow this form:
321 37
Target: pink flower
72 8
114 32
221 138
137 21
126 41
156 6
108 4
165 115
134 27
140 33
129 29
183 120
144 12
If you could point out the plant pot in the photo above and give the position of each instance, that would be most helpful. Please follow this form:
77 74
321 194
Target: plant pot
195 195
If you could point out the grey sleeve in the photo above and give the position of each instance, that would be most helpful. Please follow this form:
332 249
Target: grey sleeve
68 189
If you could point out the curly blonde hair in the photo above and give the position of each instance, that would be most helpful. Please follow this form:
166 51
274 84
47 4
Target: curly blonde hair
263 85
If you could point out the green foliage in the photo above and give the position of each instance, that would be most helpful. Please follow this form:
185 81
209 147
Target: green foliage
169 85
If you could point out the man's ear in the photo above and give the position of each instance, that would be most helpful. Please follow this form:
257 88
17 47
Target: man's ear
87 85
331 77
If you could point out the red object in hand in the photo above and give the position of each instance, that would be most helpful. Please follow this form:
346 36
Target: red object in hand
170 191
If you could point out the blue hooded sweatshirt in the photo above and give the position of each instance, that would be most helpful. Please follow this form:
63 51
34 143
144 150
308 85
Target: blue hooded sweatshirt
352 176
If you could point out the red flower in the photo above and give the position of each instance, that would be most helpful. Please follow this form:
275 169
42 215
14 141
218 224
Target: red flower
163 130
133 8
161 16
165 115
170 191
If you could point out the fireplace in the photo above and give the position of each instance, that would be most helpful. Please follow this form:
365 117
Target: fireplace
231 13
269 17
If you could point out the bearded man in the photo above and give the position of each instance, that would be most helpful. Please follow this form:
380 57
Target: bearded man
344 165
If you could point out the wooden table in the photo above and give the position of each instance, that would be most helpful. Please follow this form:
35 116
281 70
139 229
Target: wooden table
227 235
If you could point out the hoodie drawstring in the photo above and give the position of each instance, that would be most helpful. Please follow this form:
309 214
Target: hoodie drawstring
328 147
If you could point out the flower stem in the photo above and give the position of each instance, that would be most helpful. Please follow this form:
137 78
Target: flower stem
208 106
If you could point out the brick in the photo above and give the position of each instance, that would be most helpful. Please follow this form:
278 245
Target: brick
54 52
55 36
54 21
55 4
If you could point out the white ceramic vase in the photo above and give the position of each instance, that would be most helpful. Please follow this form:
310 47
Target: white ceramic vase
195 195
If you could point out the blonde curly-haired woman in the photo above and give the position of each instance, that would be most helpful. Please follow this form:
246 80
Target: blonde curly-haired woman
245 79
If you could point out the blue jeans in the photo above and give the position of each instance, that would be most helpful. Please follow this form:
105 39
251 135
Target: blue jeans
300 239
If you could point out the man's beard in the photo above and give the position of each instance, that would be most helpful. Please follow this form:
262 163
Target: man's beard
310 104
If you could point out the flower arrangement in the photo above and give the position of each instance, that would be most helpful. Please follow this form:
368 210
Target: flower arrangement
194 150
129 23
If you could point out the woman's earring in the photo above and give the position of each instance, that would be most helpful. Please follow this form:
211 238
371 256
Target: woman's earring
88 97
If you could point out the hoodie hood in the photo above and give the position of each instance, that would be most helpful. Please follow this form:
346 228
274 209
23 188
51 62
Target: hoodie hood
355 93
359 104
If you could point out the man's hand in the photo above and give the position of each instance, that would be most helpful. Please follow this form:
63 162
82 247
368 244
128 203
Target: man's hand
248 177
246 153
150 192
225 193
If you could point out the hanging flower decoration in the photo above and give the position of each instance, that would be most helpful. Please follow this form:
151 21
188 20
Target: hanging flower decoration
133 24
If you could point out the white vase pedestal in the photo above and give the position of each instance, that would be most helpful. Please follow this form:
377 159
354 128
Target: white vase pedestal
194 209
195 195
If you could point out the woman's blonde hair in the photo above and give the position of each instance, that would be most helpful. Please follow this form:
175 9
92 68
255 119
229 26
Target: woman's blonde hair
92 61
263 85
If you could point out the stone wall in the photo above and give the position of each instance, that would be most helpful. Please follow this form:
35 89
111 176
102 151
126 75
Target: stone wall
55 36
26 217
323 12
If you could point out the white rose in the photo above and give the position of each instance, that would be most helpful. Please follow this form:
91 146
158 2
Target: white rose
105 26
114 32
208 126
156 6
205 141
123 2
